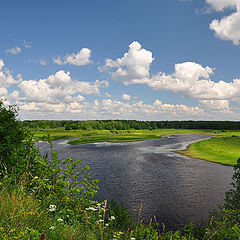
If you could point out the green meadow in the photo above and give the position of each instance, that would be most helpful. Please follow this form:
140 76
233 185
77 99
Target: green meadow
220 149
109 135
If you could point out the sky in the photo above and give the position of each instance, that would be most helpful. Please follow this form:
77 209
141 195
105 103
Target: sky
128 59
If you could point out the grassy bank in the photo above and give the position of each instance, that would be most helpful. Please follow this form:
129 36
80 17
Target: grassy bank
220 149
25 214
104 135
114 138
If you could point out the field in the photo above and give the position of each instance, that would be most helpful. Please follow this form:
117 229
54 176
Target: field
223 148
60 133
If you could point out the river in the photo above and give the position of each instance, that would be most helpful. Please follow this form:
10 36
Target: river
175 188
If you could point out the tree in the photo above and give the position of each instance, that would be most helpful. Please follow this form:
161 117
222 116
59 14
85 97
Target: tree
233 195
12 136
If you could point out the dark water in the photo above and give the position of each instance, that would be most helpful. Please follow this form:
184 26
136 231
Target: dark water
175 188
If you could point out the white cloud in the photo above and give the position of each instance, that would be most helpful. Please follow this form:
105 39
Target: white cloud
227 28
3 92
1 64
193 80
133 67
216 105
43 62
108 94
43 107
14 95
59 87
78 59
113 109
220 5
6 78
14 50
126 97
27 44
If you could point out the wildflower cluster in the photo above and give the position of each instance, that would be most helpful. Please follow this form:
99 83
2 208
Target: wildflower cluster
117 235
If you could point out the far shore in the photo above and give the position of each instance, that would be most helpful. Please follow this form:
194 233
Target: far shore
223 147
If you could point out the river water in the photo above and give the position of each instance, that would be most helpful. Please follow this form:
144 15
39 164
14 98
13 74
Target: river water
175 188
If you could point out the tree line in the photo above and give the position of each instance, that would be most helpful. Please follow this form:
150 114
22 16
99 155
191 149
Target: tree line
130 124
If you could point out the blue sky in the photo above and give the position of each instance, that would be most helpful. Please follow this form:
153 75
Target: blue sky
135 59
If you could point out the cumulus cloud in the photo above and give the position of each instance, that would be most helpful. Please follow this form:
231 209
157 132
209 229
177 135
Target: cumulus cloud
133 67
58 87
14 50
78 59
215 105
3 92
126 97
227 28
114 109
6 78
193 80
220 5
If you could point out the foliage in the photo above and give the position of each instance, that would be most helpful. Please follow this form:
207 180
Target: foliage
224 225
123 217
132 124
233 195
63 182
12 135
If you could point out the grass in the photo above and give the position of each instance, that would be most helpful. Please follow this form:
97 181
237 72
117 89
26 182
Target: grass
25 217
220 149
114 138
143 134
61 133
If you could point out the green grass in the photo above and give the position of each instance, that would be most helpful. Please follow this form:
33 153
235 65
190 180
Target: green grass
61 133
114 138
220 149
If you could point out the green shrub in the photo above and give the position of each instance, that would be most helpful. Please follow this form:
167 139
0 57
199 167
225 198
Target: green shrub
12 136
233 195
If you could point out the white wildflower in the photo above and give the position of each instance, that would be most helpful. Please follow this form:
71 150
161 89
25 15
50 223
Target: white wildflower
52 208
99 221
113 218
52 228
60 220
91 208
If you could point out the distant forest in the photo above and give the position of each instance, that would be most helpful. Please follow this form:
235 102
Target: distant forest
130 124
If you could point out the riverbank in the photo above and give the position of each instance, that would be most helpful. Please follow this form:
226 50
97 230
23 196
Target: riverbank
104 135
220 149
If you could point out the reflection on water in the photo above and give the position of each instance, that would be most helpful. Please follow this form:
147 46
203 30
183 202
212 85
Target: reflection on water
175 188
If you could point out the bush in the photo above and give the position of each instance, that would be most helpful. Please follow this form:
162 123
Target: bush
233 195
12 136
